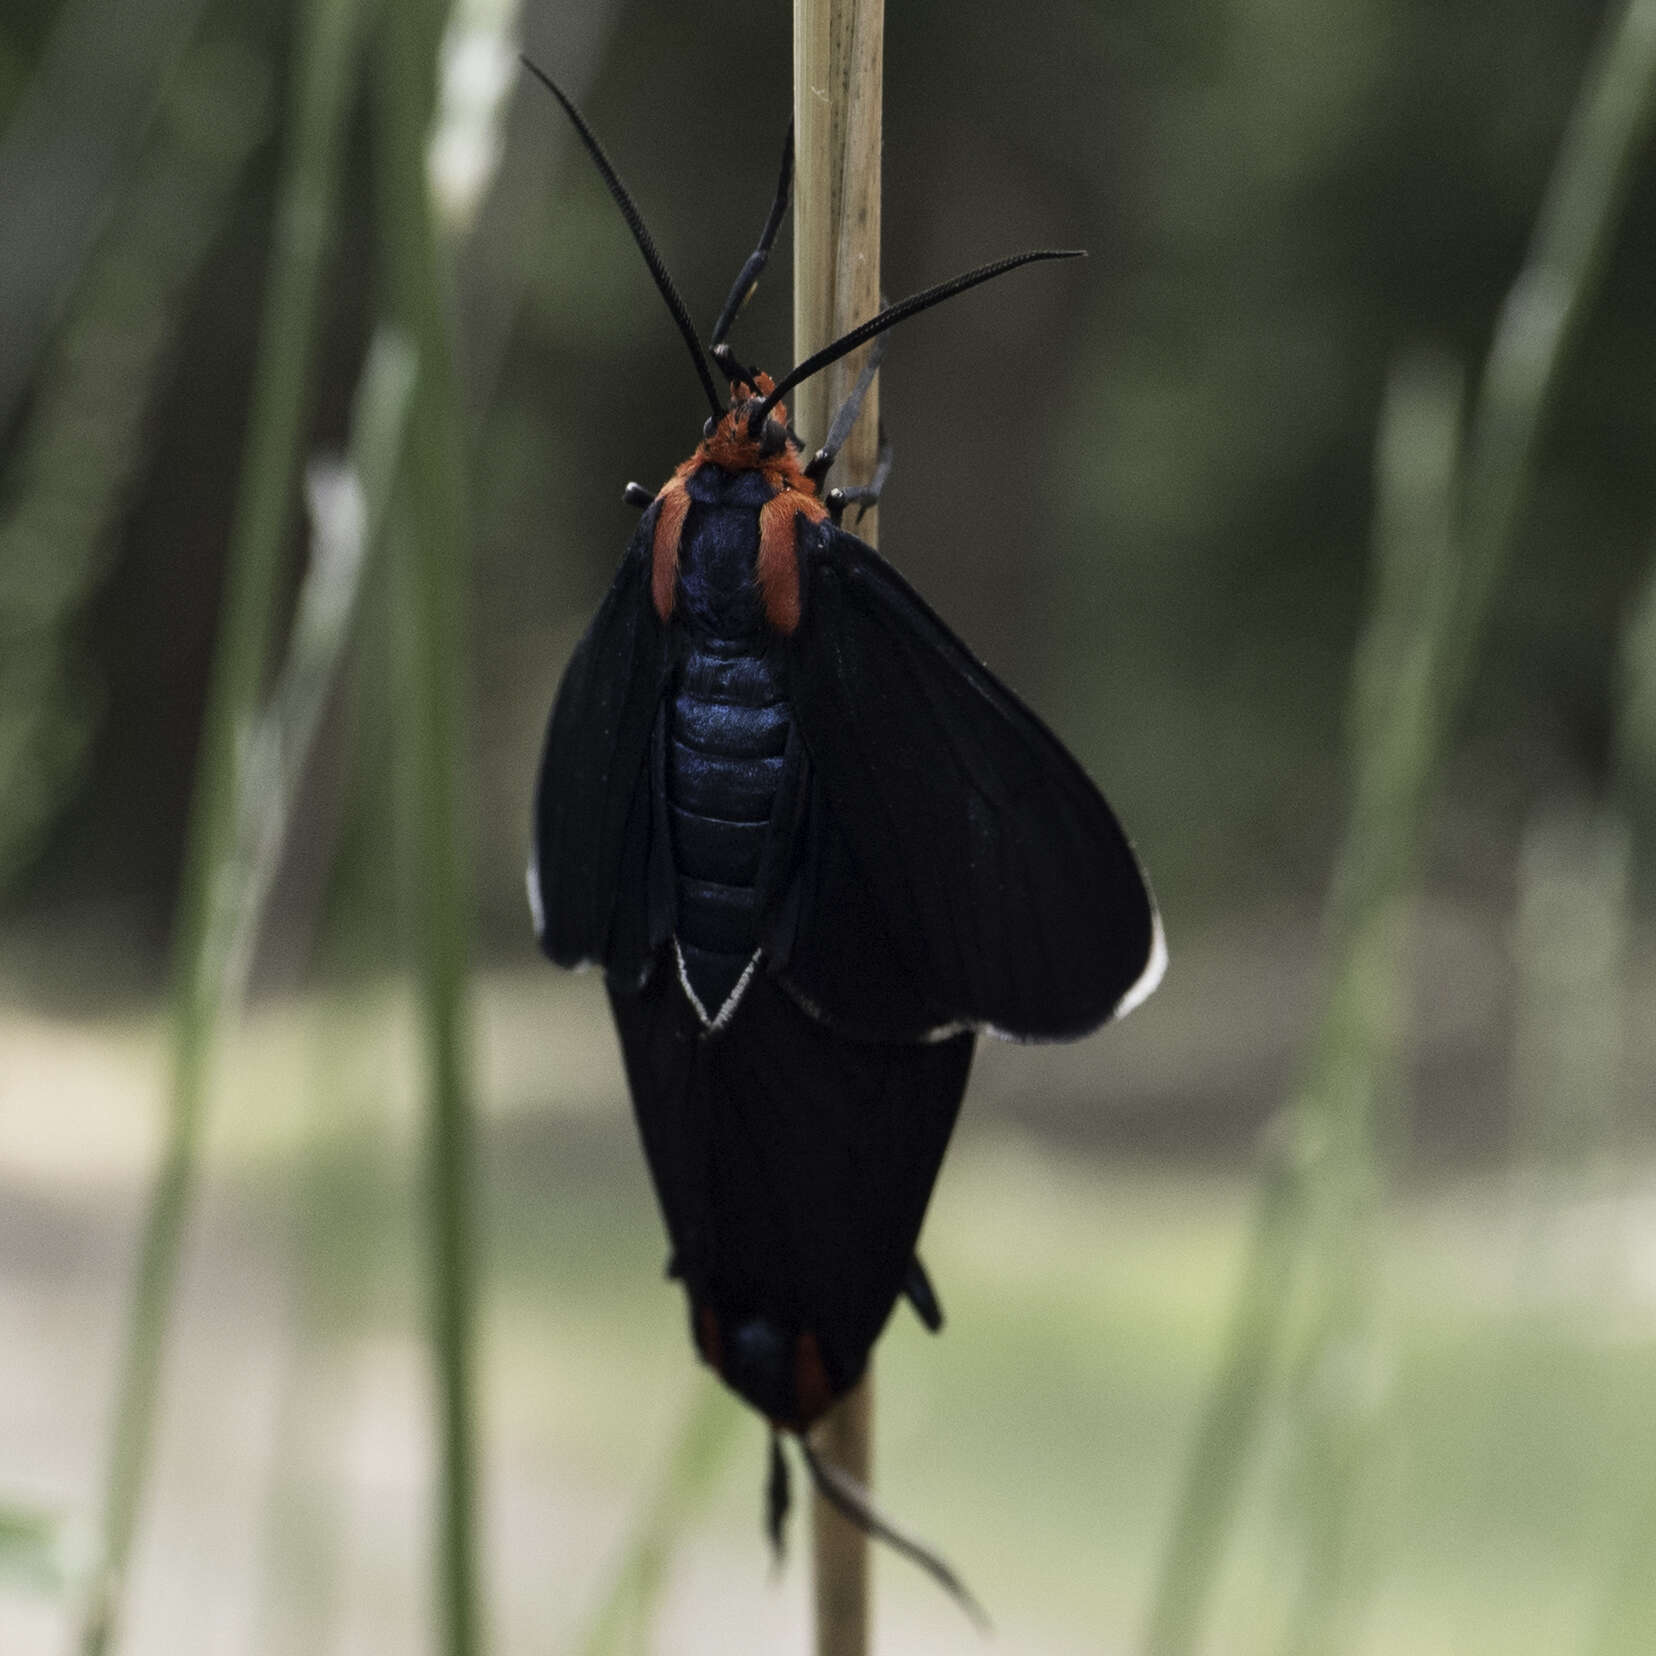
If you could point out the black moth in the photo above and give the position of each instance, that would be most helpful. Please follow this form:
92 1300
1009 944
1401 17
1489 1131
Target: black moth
815 845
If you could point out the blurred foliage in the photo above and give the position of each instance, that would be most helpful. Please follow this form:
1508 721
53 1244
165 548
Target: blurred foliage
700 1449
1322 187
1040 1439
1168 556
31 1549
1635 746
86 441
1144 489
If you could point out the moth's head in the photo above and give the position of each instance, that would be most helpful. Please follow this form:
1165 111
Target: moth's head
753 433
743 438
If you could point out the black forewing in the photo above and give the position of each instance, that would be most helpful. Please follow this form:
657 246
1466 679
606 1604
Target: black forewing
793 1164
832 943
989 882
594 799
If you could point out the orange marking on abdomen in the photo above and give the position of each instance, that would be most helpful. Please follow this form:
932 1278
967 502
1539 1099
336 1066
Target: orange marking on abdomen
813 1390
664 552
778 554
707 1338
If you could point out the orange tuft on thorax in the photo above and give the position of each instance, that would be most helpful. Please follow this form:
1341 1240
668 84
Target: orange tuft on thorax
664 550
778 555
793 495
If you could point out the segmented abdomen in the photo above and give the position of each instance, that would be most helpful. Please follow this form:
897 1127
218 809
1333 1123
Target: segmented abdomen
726 734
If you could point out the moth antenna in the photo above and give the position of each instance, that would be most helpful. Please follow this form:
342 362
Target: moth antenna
843 1492
747 278
641 235
900 312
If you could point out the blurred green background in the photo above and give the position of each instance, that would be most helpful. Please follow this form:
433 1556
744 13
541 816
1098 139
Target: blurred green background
1144 488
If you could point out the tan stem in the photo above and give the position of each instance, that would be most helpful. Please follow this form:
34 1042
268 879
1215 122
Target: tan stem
839 1549
838 61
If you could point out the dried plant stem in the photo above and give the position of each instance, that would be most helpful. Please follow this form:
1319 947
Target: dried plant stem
838 59
844 1605
838 64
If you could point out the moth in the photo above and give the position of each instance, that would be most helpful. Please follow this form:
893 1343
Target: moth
816 847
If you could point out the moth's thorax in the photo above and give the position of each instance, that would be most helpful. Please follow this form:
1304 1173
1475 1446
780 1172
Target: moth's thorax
734 471
718 589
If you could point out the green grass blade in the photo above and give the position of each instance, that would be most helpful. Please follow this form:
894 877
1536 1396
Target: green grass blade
431 540
1602 146
305 217
31 1550
83 444
1635 733
1396 759
1627 1619
1231 1418
1324 1183
349 505
699 1451
69 143
1339 1381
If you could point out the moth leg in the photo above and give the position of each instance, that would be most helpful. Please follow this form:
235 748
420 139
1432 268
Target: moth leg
778 1498
862 495
839 428
917 1289
635 494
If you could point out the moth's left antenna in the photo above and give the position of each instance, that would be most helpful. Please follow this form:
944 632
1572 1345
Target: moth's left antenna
641 235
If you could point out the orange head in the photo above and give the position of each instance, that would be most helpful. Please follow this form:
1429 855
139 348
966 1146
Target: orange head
740 440
732 442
